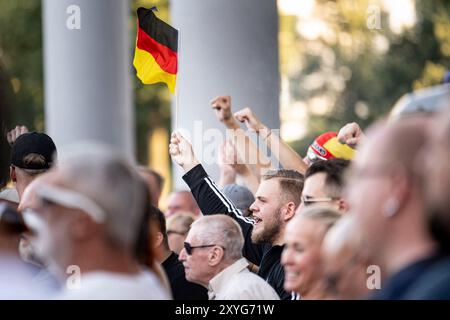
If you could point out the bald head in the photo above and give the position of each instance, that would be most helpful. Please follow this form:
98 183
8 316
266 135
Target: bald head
343 238
385 193
104 176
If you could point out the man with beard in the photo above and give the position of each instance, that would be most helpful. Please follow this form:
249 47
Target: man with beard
277 198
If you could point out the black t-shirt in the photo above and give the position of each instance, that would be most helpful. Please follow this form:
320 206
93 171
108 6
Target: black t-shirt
181 288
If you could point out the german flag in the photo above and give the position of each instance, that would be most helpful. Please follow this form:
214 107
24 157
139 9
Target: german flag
155 57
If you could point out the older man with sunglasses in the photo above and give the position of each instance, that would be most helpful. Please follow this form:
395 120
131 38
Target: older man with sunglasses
86 222
212 257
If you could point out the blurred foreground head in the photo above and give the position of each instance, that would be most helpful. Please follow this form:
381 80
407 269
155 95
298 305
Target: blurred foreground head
436 157
90 206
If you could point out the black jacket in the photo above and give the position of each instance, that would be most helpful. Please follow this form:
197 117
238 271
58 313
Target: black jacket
211 201
181 288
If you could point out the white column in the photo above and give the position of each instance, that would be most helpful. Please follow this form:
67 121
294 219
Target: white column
87 72
227 47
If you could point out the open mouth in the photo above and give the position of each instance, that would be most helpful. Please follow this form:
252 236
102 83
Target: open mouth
257 219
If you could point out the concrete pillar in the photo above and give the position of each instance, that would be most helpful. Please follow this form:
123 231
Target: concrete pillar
87 69
227 47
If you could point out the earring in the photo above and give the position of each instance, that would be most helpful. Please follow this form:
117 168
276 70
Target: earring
391 207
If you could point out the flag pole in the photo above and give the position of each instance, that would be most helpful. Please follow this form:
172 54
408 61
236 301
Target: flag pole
177 91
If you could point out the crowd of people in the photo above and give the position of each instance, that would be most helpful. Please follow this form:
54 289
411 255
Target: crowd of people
357 216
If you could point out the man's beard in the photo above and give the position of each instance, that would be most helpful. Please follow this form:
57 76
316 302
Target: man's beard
271 230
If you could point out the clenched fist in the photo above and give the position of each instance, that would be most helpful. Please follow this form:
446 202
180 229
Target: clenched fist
222 107
247 116
351 134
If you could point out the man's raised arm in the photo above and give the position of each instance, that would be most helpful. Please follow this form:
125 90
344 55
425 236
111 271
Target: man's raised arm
208 196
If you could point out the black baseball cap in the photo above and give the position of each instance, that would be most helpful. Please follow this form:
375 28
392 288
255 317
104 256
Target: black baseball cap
33 143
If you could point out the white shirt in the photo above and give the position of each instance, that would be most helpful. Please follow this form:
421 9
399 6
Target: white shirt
236 282
100 285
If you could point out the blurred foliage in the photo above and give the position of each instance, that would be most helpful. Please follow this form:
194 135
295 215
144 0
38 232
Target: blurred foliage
21 56
353 73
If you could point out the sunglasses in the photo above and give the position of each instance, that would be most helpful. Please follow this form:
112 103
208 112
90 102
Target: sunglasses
189 248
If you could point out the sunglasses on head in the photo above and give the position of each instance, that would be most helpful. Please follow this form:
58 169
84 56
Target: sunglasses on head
71 199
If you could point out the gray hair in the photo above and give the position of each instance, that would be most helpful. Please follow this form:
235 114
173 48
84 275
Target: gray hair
107 178
221 230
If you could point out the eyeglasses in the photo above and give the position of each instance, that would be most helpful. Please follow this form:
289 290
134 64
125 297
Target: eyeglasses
308 201
72 200
169 232
189 248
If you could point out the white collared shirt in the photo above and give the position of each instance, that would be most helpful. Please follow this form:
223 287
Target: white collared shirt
236 282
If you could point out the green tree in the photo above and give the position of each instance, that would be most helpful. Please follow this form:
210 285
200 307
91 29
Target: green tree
21 55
